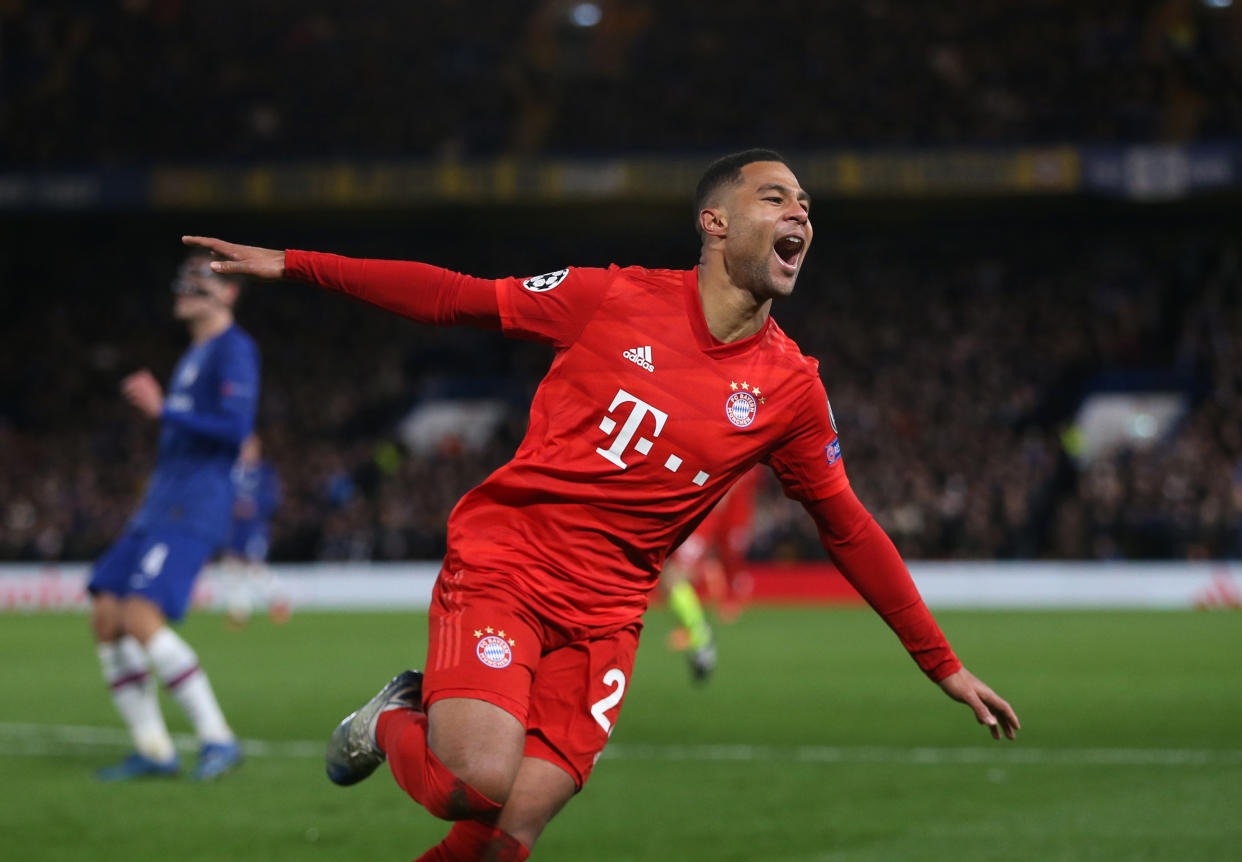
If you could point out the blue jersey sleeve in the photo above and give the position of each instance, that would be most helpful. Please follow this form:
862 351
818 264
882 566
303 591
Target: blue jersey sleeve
230 416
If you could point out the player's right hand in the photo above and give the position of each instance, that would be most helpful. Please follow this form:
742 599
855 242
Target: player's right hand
142 390
247 260
991 710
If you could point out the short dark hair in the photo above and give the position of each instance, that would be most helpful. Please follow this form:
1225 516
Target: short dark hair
727 171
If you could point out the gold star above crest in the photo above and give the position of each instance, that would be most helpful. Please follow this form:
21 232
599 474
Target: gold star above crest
501 633
745 386
763 401
733 385
755 391
489 629
512 642
478 634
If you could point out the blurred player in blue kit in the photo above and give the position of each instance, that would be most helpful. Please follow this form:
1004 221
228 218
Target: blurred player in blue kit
247 577
145 579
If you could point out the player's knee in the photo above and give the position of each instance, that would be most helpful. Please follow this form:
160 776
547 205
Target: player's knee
541 791
142 619
506 846
106 630
458 798
479 749
526 829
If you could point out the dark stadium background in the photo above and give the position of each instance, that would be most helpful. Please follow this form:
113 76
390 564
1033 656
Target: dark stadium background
1016 204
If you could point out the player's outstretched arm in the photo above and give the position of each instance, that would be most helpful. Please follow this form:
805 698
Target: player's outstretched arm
247 260
990 708
419 291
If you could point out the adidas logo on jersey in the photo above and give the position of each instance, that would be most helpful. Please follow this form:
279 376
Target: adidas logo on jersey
640 356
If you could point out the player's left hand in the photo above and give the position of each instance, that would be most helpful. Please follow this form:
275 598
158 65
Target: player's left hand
142 390
248 260
990 708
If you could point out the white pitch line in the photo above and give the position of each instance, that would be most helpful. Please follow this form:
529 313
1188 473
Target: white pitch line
1001 754
42 740
55 738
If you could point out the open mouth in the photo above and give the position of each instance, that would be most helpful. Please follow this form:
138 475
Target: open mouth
788 251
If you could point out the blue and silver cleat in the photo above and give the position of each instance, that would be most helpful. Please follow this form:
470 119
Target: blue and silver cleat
353 753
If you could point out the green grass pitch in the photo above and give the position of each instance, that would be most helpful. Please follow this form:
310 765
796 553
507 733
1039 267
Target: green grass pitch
817 740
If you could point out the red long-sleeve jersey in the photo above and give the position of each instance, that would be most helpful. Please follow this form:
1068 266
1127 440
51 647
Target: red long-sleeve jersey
641 424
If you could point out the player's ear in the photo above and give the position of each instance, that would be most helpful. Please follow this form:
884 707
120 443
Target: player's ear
713 221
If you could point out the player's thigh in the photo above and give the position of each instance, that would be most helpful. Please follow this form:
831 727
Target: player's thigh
576 699
142 617
483 647
168 564
107 617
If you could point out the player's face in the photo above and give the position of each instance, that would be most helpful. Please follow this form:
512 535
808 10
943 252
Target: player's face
769 230
199 291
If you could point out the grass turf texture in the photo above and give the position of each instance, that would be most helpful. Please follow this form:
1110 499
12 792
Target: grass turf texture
837 748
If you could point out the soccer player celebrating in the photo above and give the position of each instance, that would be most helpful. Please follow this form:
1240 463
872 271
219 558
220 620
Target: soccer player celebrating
667 386
145 579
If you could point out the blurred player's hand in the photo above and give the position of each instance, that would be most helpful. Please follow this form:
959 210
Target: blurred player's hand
248 260
990 708
142 390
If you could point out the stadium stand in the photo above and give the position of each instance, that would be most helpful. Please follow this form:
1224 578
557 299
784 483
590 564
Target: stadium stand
132 81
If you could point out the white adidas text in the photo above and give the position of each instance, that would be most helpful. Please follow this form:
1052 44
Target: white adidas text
640 356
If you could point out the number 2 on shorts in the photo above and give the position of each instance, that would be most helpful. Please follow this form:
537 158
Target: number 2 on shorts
615 678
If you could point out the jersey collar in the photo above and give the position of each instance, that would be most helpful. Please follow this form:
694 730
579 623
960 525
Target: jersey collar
707 342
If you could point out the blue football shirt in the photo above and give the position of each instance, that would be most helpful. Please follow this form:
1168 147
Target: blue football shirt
209 409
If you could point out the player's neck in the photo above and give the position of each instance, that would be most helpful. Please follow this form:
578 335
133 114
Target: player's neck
208 327
732 312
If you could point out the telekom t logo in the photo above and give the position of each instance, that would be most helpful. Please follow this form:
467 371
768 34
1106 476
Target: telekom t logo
638 413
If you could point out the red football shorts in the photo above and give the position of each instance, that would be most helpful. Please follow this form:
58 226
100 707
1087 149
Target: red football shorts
566 684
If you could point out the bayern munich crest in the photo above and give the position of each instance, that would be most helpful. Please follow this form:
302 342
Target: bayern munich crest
741 408
494 652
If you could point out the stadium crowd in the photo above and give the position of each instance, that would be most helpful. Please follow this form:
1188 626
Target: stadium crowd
962 373
122 82
955 361
954 364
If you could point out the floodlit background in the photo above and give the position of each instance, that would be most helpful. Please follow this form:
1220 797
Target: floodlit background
1025 293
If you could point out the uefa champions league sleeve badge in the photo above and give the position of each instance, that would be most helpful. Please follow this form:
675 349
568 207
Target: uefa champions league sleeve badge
545 282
